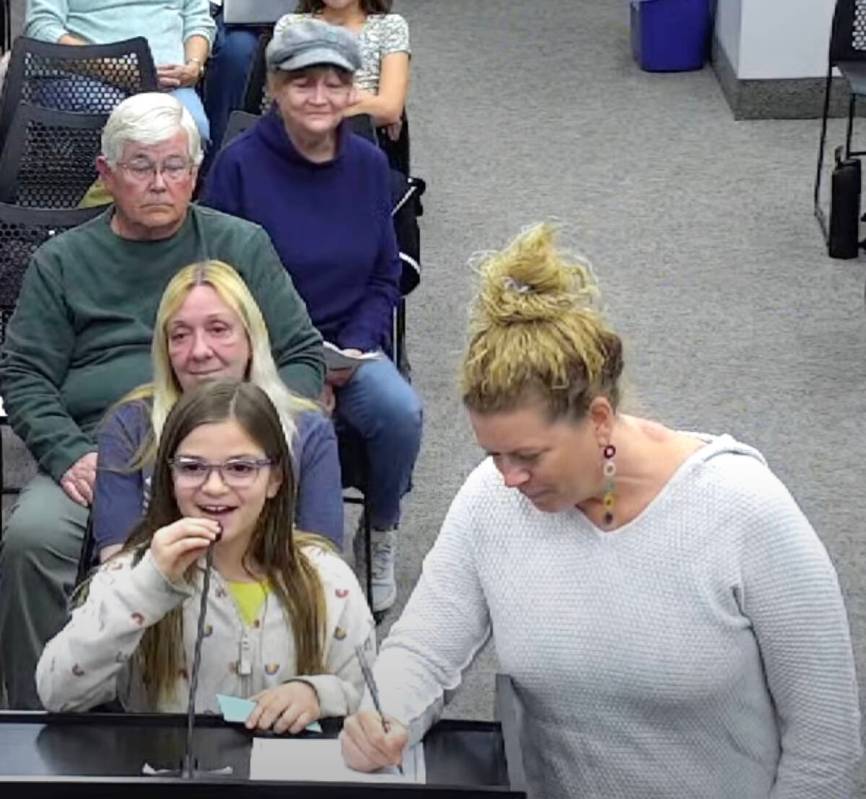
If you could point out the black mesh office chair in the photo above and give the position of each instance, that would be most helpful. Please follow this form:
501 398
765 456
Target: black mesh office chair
847 53
49 160
22 231
91 78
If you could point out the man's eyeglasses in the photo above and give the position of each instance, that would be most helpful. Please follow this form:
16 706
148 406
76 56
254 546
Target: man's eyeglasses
143 169
235 473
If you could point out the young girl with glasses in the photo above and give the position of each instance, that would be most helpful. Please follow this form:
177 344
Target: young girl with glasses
283 613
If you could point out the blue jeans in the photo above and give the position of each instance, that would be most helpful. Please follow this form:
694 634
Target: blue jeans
189 97
230 60
90 95
386 412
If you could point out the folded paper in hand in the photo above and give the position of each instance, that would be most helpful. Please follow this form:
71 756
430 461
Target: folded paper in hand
335 358
236 711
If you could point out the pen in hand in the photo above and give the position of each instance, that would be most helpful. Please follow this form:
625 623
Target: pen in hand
374 692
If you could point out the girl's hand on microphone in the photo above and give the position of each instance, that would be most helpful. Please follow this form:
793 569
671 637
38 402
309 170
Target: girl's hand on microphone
177 546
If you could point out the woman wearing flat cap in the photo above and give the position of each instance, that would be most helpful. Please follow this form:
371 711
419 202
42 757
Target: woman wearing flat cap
323 195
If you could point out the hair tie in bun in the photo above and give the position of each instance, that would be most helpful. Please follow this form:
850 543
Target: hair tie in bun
515 285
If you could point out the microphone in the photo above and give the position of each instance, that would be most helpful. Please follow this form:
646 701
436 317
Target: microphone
189 766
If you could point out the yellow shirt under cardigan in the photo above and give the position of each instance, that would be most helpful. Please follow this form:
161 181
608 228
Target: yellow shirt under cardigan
249 598
90 661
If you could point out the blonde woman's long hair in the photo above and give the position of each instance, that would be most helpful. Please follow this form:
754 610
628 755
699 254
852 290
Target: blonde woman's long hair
165 391
536 333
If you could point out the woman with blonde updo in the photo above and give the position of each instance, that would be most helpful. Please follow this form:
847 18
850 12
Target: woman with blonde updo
671 621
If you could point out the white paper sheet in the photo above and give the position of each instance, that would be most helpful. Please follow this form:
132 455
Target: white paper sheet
320 760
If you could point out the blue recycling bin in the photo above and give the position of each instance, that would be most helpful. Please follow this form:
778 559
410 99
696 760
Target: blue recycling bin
670 35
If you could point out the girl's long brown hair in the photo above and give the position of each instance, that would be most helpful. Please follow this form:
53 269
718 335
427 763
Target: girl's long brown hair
367 6
274 551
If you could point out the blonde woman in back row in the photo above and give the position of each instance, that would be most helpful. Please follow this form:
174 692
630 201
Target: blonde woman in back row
208 326
673 625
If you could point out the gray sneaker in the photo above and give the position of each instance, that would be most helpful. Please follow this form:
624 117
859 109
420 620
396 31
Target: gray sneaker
384 552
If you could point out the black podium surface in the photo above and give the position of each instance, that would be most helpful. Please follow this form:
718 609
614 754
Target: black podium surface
101 755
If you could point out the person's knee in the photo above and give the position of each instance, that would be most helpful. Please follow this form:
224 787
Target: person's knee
242 44
28 529
402 414
236 49
38 530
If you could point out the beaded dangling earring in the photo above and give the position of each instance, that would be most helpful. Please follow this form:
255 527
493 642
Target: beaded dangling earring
609 471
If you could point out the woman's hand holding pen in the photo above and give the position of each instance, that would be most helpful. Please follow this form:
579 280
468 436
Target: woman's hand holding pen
367 747
177 546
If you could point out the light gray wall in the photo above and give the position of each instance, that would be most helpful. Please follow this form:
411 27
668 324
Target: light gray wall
728 24
775 39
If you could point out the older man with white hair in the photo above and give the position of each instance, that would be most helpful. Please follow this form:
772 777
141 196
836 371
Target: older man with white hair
80 339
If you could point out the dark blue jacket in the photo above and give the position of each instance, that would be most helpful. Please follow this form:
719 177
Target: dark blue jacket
330 223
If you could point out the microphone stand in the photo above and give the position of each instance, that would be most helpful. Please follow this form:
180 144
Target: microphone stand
189 768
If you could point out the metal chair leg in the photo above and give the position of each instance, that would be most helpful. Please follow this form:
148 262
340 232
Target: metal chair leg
368 552
849 132
819 213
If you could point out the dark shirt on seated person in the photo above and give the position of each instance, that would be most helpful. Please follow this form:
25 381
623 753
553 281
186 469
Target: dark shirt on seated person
330 223
81 334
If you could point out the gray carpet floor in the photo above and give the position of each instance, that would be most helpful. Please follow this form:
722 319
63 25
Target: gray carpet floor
701 234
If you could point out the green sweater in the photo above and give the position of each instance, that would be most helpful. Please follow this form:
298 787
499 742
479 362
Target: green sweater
81 333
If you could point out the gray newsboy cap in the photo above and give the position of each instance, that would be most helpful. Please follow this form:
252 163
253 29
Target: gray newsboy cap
311 42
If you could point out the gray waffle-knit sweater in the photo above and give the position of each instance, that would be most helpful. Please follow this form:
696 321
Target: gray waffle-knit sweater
701 650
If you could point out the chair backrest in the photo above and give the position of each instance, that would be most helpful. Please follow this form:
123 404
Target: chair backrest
239 121
398 151
22 231
50 157
6 25
362 125
92 78
848 34
256 97
406 194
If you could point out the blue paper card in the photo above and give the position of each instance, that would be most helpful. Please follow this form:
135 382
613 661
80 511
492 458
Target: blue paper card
236 711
